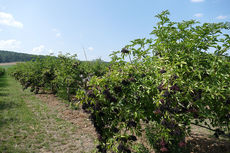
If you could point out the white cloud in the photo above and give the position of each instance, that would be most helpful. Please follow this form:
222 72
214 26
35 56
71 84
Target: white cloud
8 19
198 15
50 51
196 1
38 50
221 17
90 48
42 50
57 32
10 44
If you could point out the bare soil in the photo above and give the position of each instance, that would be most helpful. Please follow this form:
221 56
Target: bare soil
77 117
85 134
12 63
203 141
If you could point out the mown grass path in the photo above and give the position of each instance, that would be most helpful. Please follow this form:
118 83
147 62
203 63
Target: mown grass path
29 125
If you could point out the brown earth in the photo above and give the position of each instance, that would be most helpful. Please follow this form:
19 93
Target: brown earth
84 137
77 117
12 63
203 141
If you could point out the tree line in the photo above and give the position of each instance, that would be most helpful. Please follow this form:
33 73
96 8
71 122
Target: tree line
9 56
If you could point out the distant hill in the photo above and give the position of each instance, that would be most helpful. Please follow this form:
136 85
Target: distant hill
9 56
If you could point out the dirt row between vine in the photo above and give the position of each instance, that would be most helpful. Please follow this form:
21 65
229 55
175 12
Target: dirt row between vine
202 141
12 63
78 118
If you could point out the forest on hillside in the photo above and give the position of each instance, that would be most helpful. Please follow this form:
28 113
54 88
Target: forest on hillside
9 56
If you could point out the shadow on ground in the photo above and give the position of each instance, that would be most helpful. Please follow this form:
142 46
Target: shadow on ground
3 81
5 103
4 92
200 144
4 121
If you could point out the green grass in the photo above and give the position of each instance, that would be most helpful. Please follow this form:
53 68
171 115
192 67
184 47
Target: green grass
29 125
6 66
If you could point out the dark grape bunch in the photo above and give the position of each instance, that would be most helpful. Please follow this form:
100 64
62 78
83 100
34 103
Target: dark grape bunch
125 51
122 148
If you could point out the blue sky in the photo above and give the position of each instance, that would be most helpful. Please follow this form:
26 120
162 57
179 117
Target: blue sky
99 26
